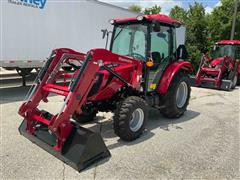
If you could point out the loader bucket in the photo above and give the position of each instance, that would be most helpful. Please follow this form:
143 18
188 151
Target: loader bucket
82 148
225 84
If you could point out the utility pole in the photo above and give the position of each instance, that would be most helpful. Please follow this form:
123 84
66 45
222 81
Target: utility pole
234 19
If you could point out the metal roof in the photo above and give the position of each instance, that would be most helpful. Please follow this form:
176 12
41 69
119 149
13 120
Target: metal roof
229 42
159 17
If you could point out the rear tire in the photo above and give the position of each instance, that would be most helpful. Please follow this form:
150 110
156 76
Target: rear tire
84 117
24 71
174 103
238 82
130 118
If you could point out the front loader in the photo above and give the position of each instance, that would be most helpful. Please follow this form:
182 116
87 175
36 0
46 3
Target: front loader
143 68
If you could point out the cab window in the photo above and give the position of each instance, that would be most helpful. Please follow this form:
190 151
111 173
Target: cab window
237 55
160 42
130 40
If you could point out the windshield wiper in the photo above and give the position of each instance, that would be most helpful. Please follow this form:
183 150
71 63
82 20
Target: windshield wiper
118 34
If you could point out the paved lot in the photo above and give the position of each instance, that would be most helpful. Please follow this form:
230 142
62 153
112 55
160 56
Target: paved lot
204 143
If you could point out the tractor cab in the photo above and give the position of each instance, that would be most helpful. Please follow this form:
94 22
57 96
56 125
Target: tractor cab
230 48
226 55
150 39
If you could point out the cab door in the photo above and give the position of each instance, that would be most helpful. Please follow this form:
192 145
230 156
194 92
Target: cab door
161 48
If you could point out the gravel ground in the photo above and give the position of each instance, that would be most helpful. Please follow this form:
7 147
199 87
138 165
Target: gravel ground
204 143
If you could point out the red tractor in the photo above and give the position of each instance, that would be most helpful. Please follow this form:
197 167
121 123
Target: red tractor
222 71
142 68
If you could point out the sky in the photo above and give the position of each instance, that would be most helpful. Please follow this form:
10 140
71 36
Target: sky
166 5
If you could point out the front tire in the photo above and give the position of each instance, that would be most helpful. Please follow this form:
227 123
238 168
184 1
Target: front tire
84 117
174 103
130 118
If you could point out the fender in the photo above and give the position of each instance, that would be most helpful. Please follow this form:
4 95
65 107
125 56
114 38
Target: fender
170 72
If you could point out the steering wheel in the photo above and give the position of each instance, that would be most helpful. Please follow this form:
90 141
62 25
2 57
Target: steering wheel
137 56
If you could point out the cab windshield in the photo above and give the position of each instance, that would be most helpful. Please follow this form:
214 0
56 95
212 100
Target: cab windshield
146 40
223 50
130 40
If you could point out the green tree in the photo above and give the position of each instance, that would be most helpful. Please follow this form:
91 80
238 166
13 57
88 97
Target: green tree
135 8
194 20
220 21
203 30
196 37
178 13
197 26
153 10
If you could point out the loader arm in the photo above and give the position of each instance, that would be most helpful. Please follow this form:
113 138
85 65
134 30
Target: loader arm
77 93
84 82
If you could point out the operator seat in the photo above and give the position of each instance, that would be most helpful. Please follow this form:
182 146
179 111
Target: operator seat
156 60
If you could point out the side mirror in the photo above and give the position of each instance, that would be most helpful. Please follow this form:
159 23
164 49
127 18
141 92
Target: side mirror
181 52
104 31
156 26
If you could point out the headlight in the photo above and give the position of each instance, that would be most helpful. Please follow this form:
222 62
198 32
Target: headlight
111 21
140 18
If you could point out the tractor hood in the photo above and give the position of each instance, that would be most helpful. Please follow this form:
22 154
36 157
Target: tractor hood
217 61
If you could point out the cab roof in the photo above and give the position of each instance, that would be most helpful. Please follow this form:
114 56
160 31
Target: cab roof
228 42
158 17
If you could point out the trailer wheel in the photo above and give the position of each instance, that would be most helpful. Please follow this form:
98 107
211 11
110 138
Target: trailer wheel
24 71
84 117
174 103
130 118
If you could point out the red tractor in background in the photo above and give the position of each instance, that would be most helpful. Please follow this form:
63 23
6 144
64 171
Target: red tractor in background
222 69
142 68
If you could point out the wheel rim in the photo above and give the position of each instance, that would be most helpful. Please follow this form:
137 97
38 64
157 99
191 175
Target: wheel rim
182 93
136 120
